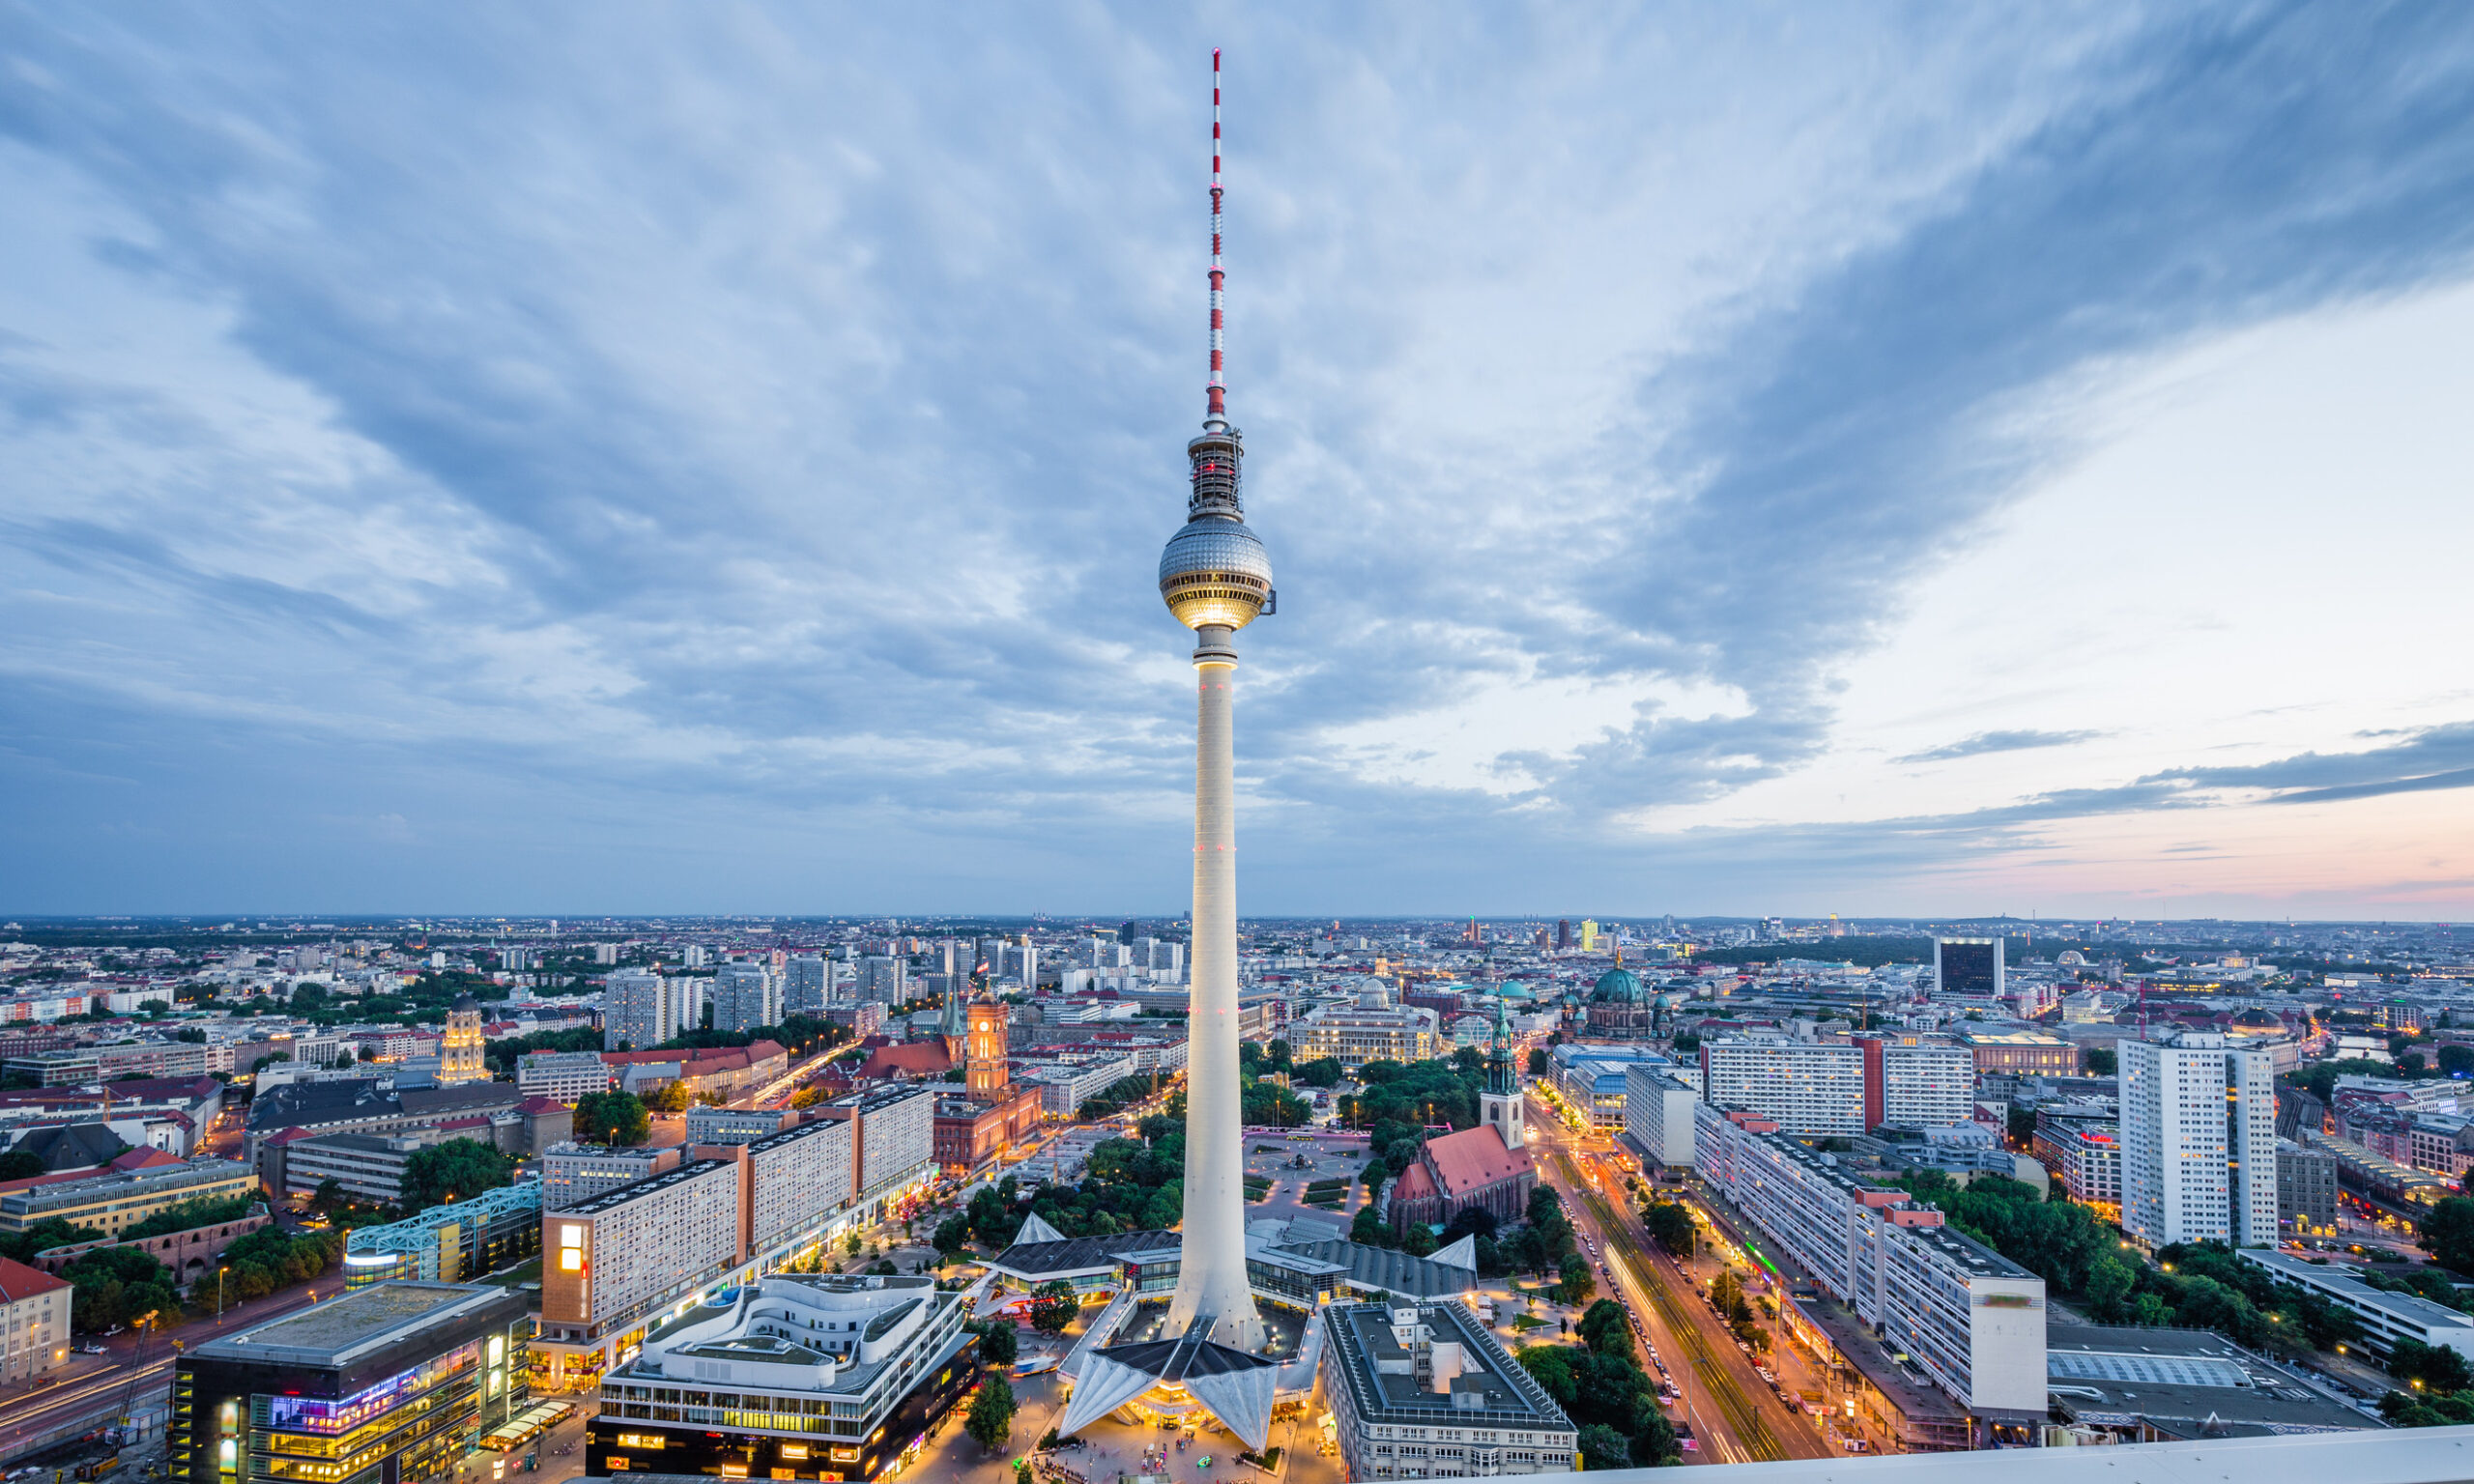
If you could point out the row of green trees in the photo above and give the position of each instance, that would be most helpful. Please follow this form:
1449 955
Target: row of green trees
1604 1389
2200 1286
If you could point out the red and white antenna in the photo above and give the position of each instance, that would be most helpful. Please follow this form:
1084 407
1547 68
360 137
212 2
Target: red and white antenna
1218 390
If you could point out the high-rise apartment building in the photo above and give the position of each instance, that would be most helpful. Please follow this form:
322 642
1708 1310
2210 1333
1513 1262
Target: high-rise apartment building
884 978
807 986
1908 1084
745 997
1808 1090
2199 1141
1817 1089
638 1011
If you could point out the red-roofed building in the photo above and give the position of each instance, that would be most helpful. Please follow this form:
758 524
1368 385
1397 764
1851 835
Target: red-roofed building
34 1307
729 1071
917 1061
1473 1167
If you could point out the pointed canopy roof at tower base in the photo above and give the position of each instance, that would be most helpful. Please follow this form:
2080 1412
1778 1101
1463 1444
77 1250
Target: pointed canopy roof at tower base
1460 1254
1036 1230
1233 1387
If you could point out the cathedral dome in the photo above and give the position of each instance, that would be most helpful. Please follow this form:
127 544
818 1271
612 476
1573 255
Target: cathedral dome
1619 986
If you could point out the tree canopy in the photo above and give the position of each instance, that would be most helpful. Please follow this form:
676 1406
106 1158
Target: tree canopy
611 1118
456 1170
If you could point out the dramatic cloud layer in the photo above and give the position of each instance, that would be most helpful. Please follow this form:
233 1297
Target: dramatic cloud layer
714 459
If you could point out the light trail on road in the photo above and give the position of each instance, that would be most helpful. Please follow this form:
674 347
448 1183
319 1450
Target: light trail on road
1746 1433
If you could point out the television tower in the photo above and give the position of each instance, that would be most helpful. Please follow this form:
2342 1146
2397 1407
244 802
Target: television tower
1216 578
1210 1346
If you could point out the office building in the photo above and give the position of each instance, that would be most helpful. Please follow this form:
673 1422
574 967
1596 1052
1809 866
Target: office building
2199 1141
1590 1078
1067 1082
744 997
1658 1116
2020 1053
2306 1187
734 1125
572 1174
2386 1317
365 1166
1369 1029
391 1383
113 1202
829 1376
35 1308
1968 966
565 1075
1424 1390
639 1010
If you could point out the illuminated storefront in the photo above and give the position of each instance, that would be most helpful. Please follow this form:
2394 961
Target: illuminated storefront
391 1383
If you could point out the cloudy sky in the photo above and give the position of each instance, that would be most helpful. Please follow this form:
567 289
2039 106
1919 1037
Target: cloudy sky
1718 460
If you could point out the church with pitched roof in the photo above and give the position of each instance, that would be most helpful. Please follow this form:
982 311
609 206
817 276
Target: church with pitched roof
1487 1166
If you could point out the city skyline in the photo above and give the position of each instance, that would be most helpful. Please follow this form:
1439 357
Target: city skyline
1721 468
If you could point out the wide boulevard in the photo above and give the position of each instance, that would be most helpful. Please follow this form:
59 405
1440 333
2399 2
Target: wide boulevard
1731 1408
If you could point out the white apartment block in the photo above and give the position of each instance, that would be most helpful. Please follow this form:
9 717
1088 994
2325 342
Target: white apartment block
1971 1320
801 1176
1921 1086
2199 1141
1658 1116
638 1008
1808 1089
622 1254
895 1143
565 1076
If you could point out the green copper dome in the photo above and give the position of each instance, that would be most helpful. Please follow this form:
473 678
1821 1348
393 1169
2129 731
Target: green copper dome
1619 986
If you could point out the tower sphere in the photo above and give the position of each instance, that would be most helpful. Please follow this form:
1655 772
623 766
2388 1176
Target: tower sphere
1215 573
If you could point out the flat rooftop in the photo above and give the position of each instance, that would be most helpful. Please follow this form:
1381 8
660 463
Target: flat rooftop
2182 1381
1491 1390
620 1195
331 1333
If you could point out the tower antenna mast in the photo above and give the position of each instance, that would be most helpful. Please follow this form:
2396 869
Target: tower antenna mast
1216 392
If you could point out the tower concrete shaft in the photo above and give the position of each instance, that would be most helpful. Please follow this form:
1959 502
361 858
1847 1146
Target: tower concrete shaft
1211 1276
